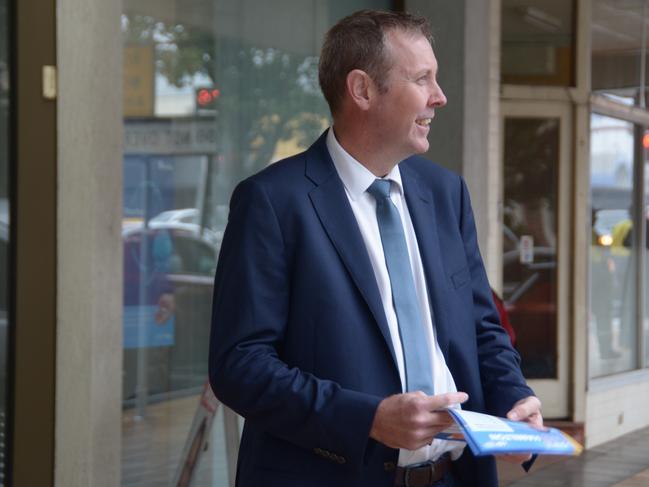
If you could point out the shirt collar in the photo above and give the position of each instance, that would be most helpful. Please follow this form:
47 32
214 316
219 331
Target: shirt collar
355 177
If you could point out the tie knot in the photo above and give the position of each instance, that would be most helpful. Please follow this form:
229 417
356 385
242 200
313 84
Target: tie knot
380 189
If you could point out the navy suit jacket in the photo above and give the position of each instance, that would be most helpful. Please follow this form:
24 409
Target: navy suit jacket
300 344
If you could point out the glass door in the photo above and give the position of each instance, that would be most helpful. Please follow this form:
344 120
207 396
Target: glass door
536 209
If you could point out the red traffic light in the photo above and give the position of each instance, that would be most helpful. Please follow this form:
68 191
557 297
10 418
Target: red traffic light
206 96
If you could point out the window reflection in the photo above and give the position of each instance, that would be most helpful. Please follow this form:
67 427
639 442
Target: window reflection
617 32
538 42
612 271
530 240
213 92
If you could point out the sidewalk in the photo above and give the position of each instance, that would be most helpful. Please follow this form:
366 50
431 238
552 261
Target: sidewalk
620 463
152 446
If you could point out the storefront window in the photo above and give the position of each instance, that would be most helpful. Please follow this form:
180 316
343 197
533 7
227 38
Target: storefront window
538 42
5 140
618 29
213 92
613 274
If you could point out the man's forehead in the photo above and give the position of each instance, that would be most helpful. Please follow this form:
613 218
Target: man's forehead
405 49
406 37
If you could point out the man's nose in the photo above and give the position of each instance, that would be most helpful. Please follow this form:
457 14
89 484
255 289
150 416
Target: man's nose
437 97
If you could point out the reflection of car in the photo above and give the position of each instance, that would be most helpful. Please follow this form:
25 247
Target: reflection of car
185 215
173 248
191 218
168 273
529 293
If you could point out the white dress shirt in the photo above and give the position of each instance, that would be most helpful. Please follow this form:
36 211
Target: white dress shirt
357 178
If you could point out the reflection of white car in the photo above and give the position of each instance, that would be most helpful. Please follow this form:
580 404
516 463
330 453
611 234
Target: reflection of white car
211 237
189 219
184 215
173 250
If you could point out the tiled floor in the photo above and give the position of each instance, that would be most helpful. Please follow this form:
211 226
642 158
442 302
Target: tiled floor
620 463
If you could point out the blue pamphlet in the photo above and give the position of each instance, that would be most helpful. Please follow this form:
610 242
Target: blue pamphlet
490 435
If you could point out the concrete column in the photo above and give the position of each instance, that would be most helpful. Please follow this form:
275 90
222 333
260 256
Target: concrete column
89 301
465 135
482 162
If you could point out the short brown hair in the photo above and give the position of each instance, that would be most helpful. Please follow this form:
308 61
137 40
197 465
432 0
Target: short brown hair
358 42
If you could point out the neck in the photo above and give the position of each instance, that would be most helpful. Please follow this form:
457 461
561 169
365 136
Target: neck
359 143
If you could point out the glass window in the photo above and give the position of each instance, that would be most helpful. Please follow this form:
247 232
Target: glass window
612 326
531 162
213 92
5 142
617 32
538 42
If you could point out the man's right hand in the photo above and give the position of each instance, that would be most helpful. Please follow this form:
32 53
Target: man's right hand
411 420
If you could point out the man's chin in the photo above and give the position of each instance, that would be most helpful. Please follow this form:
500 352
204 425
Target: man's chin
422 147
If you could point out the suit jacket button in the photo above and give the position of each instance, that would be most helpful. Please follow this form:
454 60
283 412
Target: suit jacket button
389 466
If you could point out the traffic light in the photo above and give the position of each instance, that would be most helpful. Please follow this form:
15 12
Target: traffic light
206 98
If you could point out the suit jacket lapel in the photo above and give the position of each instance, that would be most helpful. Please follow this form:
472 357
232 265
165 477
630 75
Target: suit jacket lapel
422 212
335 213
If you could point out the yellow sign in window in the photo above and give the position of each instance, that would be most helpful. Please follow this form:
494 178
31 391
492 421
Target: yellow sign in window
138 81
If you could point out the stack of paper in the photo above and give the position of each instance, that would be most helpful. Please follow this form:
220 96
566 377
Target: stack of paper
490 435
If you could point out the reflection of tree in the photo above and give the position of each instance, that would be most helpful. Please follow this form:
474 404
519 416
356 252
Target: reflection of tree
531 158
267 94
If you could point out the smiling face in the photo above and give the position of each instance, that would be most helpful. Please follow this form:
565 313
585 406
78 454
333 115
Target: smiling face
401 116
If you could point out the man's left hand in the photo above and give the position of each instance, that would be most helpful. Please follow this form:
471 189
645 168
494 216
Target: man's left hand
527 410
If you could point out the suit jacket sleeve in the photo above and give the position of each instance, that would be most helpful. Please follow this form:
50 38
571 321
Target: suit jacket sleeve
251 312
501 377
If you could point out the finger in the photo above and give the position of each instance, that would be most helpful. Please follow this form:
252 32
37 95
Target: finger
525 408
442 401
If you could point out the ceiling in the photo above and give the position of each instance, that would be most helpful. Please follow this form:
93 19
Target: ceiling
617 25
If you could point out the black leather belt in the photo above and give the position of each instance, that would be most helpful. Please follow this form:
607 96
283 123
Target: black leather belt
422 474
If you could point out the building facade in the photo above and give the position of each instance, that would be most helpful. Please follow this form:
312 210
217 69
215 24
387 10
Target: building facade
125 126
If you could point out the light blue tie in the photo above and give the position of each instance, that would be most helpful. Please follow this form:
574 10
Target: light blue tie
419 373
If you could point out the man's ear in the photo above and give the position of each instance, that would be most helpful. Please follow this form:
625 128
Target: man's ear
360 88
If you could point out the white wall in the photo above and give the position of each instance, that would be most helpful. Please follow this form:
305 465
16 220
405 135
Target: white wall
613 411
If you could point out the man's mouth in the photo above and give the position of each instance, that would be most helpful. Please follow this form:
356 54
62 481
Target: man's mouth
424 122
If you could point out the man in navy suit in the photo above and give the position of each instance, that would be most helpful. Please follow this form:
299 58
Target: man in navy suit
311 341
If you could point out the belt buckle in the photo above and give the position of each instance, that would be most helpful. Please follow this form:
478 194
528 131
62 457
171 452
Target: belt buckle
417 466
